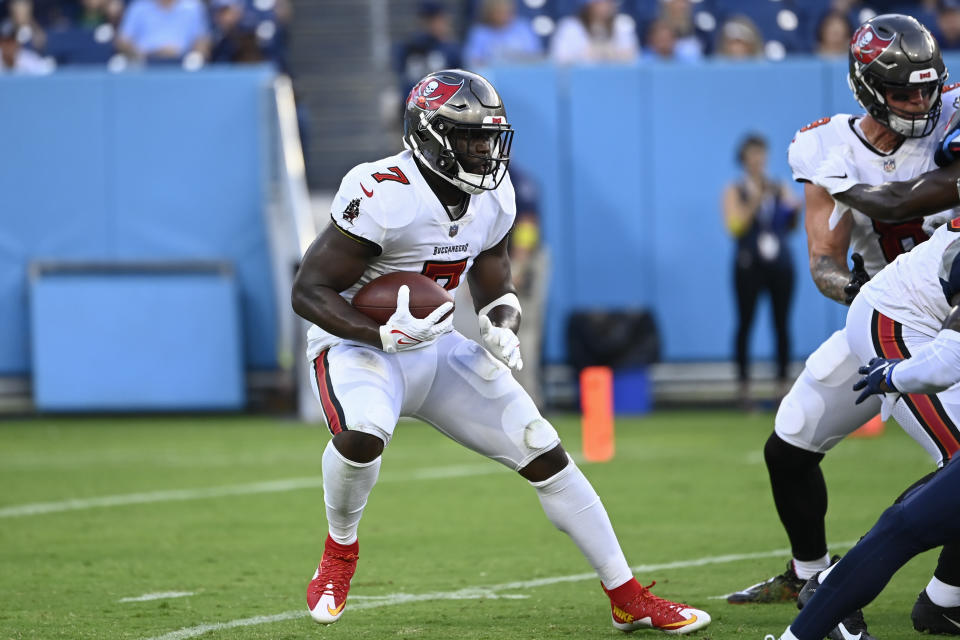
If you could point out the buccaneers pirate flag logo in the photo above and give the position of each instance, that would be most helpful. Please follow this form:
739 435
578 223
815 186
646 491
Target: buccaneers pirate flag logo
431 93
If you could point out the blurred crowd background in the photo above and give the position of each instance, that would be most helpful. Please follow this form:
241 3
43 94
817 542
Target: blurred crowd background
369 53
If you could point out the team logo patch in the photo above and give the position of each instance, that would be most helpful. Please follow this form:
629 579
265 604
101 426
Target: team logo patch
889 165
454 229
352 212
431 94
866 44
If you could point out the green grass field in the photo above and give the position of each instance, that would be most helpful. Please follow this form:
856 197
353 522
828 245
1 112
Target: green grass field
229 510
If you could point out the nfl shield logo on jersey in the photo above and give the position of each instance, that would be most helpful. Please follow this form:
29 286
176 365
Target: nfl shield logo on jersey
889 165
454 228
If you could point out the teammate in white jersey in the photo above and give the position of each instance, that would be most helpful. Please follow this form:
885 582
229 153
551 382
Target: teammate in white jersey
912 301
909 314
443 208
897 74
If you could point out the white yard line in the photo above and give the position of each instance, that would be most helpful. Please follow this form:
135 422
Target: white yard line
370 602
274 486
162 595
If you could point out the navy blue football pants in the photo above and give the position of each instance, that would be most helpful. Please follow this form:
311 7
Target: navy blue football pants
927 517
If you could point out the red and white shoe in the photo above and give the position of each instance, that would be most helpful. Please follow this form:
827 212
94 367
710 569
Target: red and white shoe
327 592
634 607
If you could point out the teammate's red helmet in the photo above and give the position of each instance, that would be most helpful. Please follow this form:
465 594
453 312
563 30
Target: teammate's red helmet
454 106
894 51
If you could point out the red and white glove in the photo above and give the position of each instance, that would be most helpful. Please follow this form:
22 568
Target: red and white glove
404 332
501 342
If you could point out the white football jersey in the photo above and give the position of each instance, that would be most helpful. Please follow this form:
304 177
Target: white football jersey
388 205
878 242
916 288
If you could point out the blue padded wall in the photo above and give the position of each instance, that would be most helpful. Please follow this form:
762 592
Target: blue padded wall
133 341
54 184
691 165
631 161
644 153
147 166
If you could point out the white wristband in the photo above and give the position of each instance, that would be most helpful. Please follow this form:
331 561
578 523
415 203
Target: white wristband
507 299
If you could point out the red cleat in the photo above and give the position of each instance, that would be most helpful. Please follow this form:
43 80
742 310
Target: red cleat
327 592
634 607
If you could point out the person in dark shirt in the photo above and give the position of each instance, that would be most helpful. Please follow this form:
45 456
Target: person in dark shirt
430 49
759 213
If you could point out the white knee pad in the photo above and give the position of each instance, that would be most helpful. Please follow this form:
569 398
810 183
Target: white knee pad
820 410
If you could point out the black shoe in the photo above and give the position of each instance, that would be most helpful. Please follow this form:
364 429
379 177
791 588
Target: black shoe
781 588
927 616
852 627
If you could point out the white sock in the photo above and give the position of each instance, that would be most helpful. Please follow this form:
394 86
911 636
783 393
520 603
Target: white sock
823 574
788 635
346 485
943 594
574 507
806 568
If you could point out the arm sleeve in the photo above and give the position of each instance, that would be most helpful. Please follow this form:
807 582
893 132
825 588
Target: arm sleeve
933 369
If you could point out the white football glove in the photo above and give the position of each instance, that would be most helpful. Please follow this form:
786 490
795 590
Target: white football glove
838 171
403 332
501 342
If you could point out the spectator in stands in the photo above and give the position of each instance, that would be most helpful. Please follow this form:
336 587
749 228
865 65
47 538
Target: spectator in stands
679 15
833 35
90 38
270 21
594 34
740 39
500 36
165 31
29 33
234 38
16 59
948 24
759 213
662 44
432 48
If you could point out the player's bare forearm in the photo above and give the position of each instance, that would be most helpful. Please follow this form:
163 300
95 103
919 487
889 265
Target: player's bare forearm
830 277
328 310
490 278
333 263
929 193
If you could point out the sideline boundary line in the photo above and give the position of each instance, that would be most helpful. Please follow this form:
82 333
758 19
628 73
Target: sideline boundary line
468 593
271 486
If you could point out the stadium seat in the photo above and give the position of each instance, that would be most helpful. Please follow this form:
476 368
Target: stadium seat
77 46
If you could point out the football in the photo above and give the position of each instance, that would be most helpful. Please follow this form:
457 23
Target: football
378 298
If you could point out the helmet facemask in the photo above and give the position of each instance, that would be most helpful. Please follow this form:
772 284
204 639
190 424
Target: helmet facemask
907 123
472 157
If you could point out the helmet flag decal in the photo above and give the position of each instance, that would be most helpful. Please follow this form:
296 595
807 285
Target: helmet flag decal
431 93
866 44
